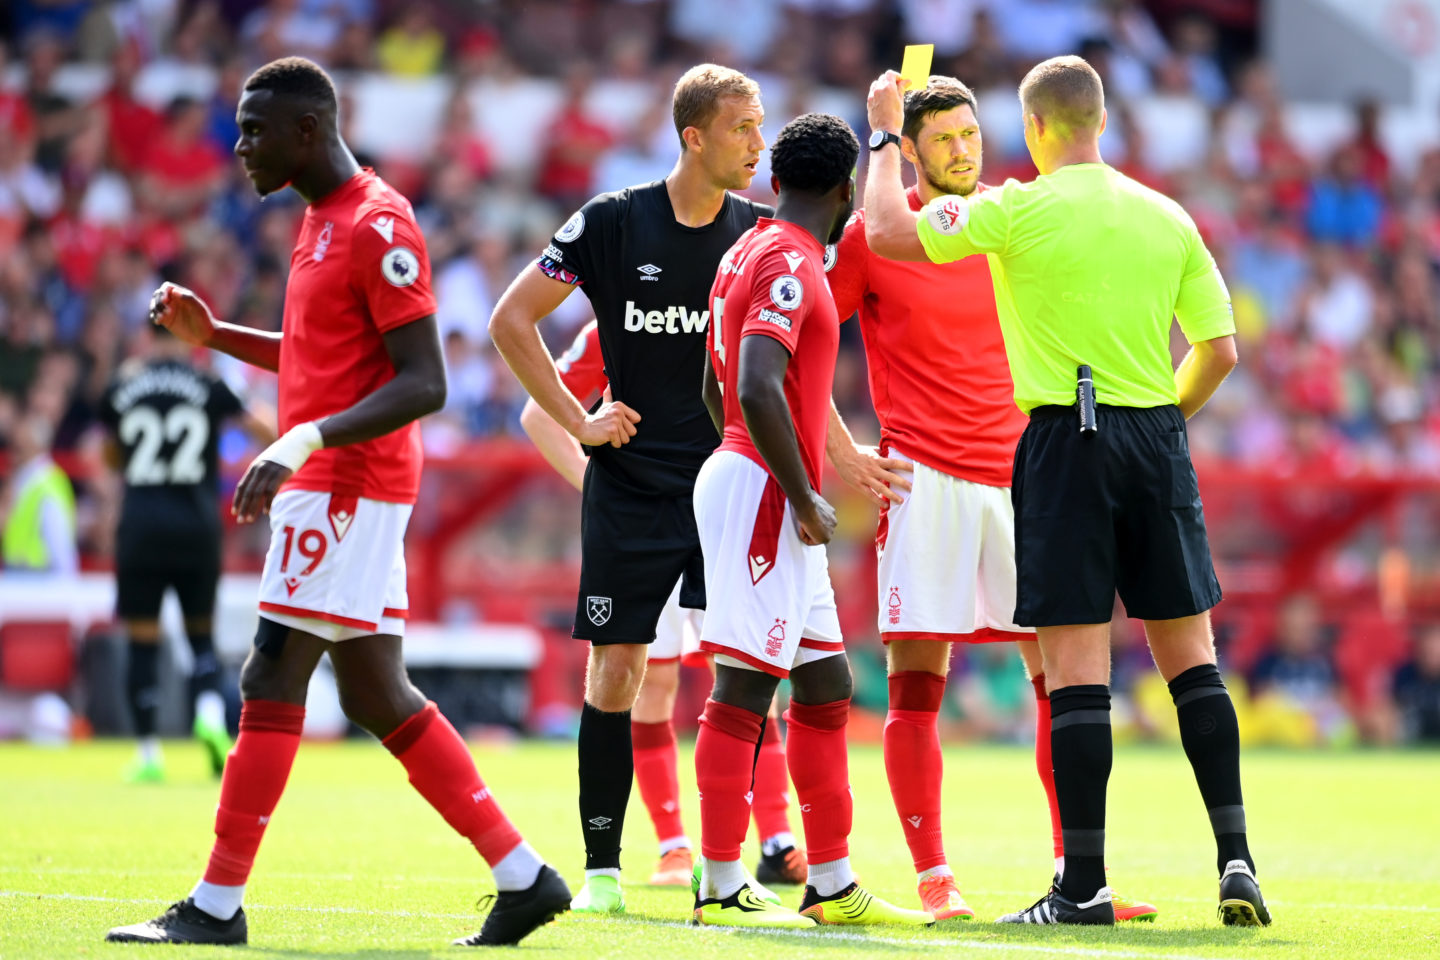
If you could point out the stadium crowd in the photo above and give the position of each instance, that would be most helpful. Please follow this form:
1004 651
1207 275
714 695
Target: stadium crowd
117 120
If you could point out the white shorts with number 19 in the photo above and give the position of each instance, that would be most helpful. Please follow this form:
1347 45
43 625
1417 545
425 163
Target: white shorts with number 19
336 565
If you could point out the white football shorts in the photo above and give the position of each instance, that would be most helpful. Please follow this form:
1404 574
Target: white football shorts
947 561
336 565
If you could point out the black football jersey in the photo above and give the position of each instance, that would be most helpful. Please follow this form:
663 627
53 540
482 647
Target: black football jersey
648 278
166 417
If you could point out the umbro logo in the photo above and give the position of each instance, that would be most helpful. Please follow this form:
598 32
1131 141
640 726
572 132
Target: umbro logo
599 823
793 259
649 272
385 226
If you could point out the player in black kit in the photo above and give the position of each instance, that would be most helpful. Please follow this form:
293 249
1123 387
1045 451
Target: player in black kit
646 257
164 416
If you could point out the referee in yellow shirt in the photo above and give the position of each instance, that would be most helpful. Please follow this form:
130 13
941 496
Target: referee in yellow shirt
1089 269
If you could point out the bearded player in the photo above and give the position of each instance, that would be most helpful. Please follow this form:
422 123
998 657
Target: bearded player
359 363
941 387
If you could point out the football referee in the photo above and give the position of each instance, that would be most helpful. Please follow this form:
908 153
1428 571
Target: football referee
1089 268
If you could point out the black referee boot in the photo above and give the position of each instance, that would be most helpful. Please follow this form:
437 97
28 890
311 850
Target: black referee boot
1054 907
1240 902
184 923
518 913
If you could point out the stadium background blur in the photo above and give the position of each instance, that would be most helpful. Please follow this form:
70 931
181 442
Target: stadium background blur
1317 189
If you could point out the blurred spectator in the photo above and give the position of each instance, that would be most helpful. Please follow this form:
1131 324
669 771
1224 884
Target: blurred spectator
413 47
1337 302
1345 208
37 506
1195 46
573 145
993 693
1374 160
1296 690
133 126
1416 690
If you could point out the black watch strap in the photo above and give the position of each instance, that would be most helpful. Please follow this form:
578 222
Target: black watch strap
880 138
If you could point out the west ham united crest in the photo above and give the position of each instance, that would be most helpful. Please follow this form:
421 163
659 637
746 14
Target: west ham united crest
599 610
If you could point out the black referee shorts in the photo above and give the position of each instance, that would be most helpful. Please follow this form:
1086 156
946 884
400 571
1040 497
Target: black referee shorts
1116 510
634 548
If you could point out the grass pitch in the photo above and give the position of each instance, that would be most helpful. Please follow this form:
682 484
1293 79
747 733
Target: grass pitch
356 865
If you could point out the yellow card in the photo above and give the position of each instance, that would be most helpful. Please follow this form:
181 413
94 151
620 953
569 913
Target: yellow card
916 66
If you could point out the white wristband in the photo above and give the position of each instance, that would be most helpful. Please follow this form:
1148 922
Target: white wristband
294 448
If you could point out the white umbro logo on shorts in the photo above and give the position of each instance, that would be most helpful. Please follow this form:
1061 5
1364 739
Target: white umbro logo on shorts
649 271
598 609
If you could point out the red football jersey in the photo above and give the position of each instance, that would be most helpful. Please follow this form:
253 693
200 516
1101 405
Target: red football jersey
359 270
772 283
939 377
582 368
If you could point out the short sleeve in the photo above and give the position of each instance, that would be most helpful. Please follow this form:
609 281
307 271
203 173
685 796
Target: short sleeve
849 272
582 368
391 268
575 252
223 403
1203 303
780 299
952 228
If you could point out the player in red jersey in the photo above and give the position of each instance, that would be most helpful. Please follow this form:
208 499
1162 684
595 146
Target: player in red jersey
941 385
359 363
763 526
677 641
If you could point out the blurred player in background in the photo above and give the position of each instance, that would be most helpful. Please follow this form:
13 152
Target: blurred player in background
942 390
164 416
360 362
677 641
645 256
773 343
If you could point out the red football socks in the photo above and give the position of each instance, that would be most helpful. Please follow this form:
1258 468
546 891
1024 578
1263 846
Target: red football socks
1043 763
653 745
443 771
724 772
772 785
913 762
820 769
254 779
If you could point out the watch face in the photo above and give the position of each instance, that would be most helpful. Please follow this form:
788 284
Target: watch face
877 139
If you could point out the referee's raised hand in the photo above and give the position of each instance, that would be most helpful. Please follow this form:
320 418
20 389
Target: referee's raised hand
613 423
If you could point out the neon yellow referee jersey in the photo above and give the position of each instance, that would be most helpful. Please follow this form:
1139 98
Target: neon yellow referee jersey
1089 267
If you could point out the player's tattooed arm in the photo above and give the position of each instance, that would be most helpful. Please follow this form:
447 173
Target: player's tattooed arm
760 391
184 314
710 393
862 466
418 388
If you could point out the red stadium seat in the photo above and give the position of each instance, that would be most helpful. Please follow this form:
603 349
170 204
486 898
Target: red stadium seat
37 655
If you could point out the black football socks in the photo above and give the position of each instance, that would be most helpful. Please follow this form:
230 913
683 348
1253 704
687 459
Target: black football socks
607 768
1211 737
142 686
1081 746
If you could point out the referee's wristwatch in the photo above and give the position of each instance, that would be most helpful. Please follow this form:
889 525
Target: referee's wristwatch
879 138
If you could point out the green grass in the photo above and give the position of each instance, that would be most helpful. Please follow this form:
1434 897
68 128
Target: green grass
356 865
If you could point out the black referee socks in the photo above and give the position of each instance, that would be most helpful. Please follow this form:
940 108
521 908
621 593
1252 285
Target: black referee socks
1211 737
142 685
1082 751
607 768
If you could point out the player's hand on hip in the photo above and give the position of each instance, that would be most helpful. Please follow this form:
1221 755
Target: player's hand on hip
614 423
815 520
257 489
184 314
885 106
873 475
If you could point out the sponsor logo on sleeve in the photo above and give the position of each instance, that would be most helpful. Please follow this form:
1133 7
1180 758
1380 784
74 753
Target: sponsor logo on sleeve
553 252
779 319
831 252
787 292
400 266
948 215
572 229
